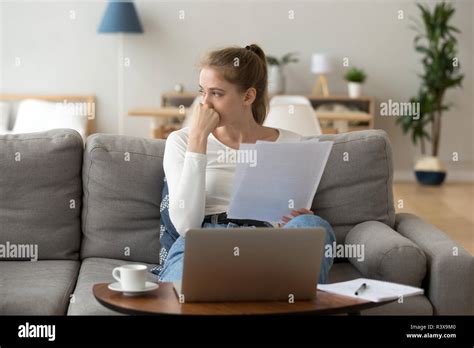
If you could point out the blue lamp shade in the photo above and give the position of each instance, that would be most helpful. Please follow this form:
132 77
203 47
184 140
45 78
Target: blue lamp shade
120 17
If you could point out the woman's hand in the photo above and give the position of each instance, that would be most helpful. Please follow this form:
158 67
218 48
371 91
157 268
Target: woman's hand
203 121
294 213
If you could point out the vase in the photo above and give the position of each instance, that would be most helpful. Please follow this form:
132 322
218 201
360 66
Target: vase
276 80
429 170
354 89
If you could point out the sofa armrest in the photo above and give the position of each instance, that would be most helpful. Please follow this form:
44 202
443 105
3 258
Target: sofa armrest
388 256
450 277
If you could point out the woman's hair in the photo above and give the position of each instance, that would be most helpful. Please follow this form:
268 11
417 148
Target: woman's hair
244 67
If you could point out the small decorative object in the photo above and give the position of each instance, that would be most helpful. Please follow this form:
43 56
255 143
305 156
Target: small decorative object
321 64
179 87
276 79
355 78
437 43
429 170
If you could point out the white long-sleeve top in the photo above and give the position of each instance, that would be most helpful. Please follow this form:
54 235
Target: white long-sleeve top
200 184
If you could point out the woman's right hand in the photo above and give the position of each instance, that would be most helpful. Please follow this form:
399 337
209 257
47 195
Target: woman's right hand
294 213
203 120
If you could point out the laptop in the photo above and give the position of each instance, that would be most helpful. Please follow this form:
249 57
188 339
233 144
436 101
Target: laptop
251 264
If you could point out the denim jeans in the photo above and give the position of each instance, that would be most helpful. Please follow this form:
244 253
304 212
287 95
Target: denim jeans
173 266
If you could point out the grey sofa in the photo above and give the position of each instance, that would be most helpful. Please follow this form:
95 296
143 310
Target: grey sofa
89 209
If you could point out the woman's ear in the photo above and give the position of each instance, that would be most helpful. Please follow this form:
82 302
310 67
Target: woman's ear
250 96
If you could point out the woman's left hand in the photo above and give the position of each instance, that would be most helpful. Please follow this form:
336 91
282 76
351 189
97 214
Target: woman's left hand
295 213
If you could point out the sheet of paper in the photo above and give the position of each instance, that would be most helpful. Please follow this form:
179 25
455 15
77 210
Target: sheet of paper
376 290
280 175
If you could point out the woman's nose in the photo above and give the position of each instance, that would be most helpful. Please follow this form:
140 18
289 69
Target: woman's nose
206 100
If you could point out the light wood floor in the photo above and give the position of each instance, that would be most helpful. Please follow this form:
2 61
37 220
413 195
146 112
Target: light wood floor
449 207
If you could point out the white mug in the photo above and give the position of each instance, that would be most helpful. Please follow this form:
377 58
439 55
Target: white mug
130 277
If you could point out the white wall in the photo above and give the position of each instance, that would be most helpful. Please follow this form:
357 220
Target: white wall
60 55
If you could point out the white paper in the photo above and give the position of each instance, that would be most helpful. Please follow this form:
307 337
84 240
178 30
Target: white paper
284 174
376 290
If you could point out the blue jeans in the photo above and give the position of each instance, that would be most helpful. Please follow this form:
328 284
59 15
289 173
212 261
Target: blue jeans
173 266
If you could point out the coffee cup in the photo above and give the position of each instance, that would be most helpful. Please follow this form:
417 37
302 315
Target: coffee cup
130 277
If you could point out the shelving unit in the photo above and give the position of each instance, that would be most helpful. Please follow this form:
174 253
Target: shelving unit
174 105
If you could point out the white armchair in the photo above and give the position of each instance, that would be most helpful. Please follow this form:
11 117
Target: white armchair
289 100
298 118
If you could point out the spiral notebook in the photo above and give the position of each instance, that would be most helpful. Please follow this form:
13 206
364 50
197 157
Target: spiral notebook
374 291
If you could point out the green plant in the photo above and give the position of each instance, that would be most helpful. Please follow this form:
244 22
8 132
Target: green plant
418 125
355 75
287 58
435 40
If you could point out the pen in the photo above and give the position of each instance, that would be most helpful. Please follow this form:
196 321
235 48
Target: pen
362 287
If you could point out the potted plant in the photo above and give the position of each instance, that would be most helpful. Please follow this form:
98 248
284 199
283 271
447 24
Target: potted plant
355 78
435 40
276 79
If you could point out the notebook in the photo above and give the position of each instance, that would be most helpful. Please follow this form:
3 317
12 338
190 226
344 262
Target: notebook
374 291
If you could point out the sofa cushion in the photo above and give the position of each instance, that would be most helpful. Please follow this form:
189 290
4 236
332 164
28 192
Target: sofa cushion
343 271
356 185
41 193
93 271
123 180
36 288
387 254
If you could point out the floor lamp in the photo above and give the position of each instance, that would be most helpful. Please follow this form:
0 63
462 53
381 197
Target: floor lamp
120 17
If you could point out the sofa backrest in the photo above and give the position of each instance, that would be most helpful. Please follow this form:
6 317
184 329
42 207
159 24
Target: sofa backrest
40 195
122 193
123 180
356 185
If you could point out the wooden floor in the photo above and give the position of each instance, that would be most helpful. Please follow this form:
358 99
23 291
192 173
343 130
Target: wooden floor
449 207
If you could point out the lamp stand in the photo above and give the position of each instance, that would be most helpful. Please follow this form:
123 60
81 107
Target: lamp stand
321 84
120 79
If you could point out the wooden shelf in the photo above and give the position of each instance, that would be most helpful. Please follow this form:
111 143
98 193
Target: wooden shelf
165 130
166 112
349 116
174 106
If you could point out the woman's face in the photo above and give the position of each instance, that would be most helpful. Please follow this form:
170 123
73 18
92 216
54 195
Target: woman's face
221 95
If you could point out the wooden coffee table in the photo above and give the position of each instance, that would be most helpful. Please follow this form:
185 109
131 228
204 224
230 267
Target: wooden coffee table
164 301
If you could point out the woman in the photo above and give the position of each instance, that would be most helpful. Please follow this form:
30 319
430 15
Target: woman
233 83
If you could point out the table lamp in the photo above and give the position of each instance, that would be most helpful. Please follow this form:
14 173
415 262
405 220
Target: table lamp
321 64
120 17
